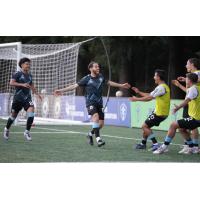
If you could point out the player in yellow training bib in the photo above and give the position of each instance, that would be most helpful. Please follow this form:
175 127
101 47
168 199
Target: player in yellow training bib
185 124
162 96
192 66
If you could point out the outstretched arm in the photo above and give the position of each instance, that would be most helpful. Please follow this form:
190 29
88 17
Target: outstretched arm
177 84
137 91
118 85
66 89
144 98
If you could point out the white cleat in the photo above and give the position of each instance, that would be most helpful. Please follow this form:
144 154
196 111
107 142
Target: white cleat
27 135
195 150
188 151
184 149
162 149
6 133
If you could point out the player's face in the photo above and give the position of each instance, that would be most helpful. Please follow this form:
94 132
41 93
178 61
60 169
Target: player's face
95 69
156 78
26 66
189 66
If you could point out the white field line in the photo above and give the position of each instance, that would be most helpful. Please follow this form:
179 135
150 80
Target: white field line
83 133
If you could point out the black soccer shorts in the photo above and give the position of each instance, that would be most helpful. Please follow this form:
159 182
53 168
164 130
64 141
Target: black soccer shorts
189 123
92 109
154 120
17 105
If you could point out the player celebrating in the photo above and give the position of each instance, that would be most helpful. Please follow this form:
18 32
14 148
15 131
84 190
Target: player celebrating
192 66
93 84
22 81
185 124
161 112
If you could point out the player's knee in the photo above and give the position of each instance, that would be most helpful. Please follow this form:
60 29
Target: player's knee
174 125
95 118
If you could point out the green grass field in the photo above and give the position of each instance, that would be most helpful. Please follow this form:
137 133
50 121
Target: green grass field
69 144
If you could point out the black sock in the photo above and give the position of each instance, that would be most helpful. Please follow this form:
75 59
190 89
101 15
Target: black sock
195 145
96 132
92 131
29 123
9 122
154 140
190 143
166 143
144 141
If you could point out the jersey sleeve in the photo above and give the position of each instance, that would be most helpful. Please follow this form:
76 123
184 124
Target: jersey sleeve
192 93
83 82
159 91
15 76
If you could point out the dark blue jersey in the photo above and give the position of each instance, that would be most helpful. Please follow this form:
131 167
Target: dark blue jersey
22 93
93 89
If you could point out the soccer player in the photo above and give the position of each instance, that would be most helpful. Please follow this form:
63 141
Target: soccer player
185 124
192 66
162 96
22 81
93 84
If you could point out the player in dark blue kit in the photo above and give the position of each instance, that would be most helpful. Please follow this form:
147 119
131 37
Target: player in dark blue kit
22 81
93 84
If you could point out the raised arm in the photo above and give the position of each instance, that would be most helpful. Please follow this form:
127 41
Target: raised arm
66 89
177 84
118 85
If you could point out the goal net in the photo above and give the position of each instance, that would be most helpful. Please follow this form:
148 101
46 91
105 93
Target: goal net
53 66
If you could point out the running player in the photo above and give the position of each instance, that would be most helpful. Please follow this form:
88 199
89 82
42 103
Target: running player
93 84
192 66
185 124
22 81
161 112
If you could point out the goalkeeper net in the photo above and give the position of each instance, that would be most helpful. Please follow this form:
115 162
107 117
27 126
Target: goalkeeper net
53 66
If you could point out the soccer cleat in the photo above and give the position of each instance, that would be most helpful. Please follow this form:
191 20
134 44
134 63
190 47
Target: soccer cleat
27 135
6 133
154 147
90 139
184 149
140 146
101 143
188 151
162 149
195 150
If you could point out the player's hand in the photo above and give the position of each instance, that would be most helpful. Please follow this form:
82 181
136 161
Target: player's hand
136 90
181 79
133 98
40 97
176 83
57 93
26 85
126 85
175 109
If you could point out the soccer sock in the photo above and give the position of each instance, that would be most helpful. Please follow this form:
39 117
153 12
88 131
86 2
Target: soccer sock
167 140
189 143
195 142
185 142
30 120
144 141
152 138
10 121
95 127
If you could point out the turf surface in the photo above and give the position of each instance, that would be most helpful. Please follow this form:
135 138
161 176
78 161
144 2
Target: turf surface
69 144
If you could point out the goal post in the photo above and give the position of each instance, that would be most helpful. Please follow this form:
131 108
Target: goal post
52 66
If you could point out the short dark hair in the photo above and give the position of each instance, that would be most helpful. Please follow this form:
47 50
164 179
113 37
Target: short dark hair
193 77
161 73
23 60
91 64
195 62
